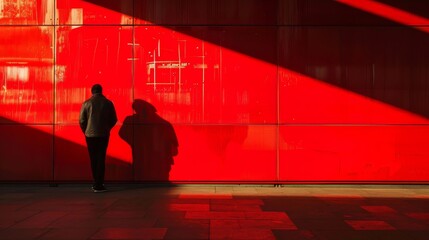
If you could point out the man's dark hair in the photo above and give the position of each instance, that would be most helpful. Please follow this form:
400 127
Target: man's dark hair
96 89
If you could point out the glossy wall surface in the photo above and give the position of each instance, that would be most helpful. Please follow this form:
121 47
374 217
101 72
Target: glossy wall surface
252 91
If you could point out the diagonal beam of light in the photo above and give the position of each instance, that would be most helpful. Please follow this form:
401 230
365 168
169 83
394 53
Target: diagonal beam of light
389 12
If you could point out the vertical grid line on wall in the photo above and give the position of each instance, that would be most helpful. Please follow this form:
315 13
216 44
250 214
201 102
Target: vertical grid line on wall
133 26
277 97
54 85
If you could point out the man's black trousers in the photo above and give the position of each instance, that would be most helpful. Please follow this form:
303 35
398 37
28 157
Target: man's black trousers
97 147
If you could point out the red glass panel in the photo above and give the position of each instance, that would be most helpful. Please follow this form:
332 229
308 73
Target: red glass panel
307 100
205 12
26 72
72 160
26 152
352 75
89 55
225 153
353 153
27 12
81 12
339 12
191 77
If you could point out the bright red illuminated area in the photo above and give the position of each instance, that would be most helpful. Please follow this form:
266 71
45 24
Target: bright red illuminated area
284 94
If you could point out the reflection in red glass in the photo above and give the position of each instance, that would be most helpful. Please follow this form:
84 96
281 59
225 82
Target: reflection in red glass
191 80
26 65
92 54
26 12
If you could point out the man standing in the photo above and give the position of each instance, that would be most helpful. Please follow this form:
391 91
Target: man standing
97 118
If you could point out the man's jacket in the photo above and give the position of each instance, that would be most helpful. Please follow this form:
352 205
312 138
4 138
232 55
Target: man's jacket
97 116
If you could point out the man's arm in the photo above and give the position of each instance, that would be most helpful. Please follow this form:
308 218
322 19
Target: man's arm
83 118
113 116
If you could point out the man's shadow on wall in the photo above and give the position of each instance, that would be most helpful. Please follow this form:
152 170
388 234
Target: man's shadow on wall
153 142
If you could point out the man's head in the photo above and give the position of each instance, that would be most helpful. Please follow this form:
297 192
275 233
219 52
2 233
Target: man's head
96 88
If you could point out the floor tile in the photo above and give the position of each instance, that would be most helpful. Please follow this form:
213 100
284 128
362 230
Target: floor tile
379 209
188 207
215 215
369 225
235 207
41 220
241 233
187 233
22 233
68 233
130 233
10 218
205 196
285 224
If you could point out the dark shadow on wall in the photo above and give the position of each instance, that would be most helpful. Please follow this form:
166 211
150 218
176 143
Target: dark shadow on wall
153 142
326 40
26 153
416 7
31 153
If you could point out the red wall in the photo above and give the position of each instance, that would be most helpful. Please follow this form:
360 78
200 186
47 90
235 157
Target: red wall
256 91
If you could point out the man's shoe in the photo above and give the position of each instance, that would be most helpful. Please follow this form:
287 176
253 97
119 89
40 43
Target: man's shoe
99 189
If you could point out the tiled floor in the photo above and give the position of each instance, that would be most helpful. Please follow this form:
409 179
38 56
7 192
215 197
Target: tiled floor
343 212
